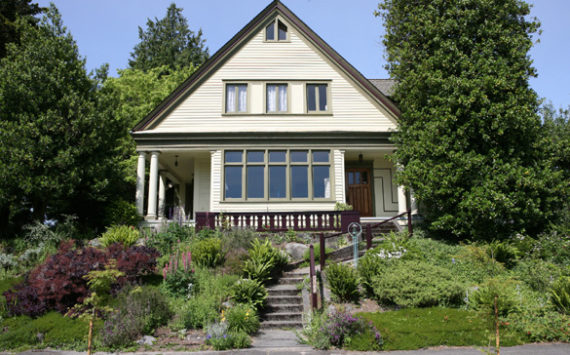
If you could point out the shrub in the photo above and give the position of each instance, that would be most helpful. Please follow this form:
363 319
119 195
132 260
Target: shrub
414 283
502 252
58 283
370 266
341 206
241 318
166 241
221 339
199 311
537 273
180 282
317 251
343 282
342 330
264 262
208 252
234 239
126 235
120 330
540 326
483 298
146 303
52 330
234 260
250 292
123 212
560 295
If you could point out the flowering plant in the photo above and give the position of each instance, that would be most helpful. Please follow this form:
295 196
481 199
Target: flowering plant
178 275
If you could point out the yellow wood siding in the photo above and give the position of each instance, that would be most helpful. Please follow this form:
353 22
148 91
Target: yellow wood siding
295 61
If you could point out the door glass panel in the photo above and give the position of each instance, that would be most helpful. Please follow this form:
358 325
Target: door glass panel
234 156
277 156
365 177
255 156
255 183
299 156
350 178
277 181
357 177
320 156
233 181
321 181
299 181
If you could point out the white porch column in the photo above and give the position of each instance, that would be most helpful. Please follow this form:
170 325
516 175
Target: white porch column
140 183
152 185
341 190
161 195
402 204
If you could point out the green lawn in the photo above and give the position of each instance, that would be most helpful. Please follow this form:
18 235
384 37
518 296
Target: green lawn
416 328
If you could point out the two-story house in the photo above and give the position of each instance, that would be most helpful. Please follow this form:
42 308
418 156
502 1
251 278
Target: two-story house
275 121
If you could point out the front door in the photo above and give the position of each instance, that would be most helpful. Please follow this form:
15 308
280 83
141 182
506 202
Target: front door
358 191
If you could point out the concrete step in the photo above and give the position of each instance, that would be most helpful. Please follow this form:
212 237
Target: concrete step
293 307
295 274
290 280
286 316
283 291
281 324
278 300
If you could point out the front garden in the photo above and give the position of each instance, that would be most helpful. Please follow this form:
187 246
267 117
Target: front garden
430 293
176 289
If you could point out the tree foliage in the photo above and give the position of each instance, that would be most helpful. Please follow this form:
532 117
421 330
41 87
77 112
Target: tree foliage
13 15
58 135
469 133
168 42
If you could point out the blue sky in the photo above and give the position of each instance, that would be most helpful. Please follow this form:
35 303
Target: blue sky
107 30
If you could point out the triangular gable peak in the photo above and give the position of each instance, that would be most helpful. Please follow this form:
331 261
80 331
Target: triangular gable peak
197 104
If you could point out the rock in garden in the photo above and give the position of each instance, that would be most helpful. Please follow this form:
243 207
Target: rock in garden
146 340
296 250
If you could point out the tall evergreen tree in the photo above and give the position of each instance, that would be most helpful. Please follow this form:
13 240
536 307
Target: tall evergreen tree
469 133
58 136
168 42
14 14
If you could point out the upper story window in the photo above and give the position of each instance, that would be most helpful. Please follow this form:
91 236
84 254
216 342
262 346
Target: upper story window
276 31
317 98
236 98
276 98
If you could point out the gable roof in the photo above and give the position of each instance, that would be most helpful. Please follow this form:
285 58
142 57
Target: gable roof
386 86
276 7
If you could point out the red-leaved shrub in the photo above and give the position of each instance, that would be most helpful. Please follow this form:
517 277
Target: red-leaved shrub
58 283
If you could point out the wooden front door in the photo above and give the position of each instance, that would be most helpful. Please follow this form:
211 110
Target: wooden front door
358 190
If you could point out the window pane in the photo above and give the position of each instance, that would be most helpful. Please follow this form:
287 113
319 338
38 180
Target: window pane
277 181
242 98
298 156
230 98
311 98
233 156
270 32
233 181
255 183
299 182
357 177
282 103
282 31
350 178
321 156
322 97
255 156
271 97
321 181
277 156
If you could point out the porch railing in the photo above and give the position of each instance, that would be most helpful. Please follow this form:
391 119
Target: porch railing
278 221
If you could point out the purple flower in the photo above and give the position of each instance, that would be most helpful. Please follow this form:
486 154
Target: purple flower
225 336
209 336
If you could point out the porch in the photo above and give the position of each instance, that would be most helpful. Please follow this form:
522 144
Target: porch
193 186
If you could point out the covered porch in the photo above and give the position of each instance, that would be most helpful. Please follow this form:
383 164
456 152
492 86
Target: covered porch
191 186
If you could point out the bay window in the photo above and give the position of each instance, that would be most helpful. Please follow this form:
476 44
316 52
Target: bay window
277 174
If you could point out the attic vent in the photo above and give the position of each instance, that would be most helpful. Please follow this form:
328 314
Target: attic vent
276 31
